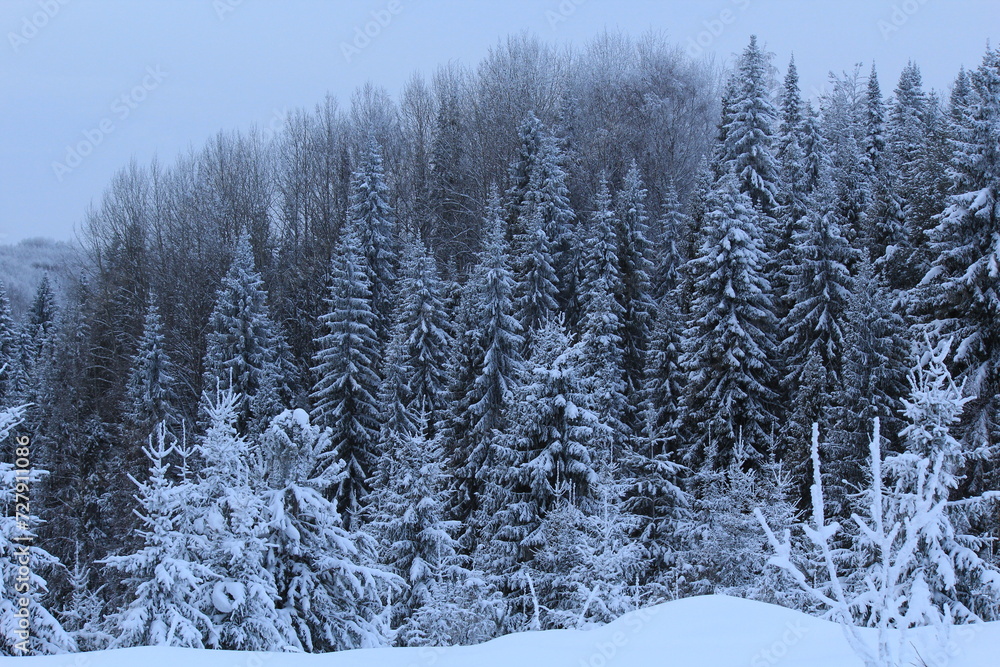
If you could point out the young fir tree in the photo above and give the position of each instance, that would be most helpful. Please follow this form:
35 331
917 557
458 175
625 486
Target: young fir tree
586 567
727 551
167 580
231 515
24 629
730 348
83 616
328 587
346 370
948 580
244 349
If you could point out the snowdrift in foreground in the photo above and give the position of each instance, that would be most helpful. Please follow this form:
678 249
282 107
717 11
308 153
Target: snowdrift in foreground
709 631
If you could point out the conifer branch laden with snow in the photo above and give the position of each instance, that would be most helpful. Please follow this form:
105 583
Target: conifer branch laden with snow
911 567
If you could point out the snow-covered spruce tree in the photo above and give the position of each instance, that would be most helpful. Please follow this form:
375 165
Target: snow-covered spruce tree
796 194
244 347
397 416
844 136
958 293
873 381
814 345
491 348
657 513
347 381
670 245
886 239
747 149
428 335
328 587
875 130
821 290
587 565
911 567
530 133
635 266
814 149
39 633
35 342
790 128
725 550
167 579
83 614
231 517
547 455
947 578
9 353
418 545
536 292
602 326
663 384
547 198
150 398
371 218
730 347
910 139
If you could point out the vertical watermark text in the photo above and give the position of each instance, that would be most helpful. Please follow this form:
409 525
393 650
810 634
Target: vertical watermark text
23 540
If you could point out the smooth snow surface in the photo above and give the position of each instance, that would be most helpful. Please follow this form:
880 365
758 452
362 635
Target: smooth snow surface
708 631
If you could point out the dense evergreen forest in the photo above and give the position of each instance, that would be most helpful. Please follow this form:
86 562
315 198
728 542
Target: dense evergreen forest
534 344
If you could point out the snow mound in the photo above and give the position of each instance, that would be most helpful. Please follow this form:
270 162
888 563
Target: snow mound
708 631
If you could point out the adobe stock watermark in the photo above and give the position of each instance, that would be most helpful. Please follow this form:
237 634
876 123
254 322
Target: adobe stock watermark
277 122
562 12
225 7
605 652
945 650
715 26
364 34
120 109
773 654
22 550
34 23
899 16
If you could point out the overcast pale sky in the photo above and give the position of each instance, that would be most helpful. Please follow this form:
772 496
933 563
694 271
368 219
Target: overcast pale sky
140 78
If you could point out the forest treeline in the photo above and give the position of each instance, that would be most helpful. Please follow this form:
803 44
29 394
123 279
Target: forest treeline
525 348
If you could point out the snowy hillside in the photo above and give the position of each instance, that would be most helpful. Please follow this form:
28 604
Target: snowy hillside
708 631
